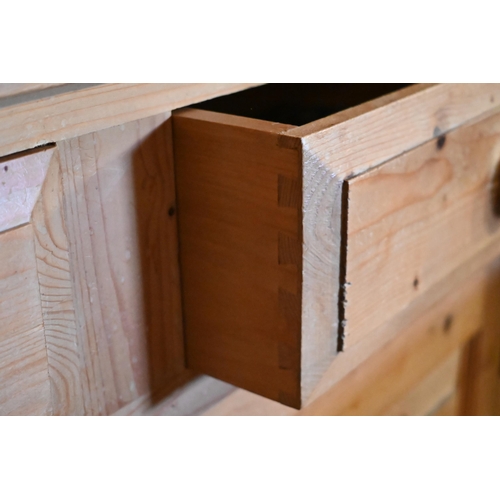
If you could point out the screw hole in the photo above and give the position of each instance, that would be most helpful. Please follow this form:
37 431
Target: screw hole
448 322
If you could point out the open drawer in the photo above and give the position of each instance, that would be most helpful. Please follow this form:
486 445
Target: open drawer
298 240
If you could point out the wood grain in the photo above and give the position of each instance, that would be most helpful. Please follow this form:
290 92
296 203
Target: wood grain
24 381
68 115
480 384
55 282
121 225
431 392
21 179
12 89
113 341
239 221
354 141
439 330
384 368
334 149
438 215
372 133
193 398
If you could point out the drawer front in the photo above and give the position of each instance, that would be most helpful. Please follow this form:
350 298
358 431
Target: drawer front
413 220
298 242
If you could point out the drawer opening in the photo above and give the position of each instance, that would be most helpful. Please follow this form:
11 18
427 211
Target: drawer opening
298 103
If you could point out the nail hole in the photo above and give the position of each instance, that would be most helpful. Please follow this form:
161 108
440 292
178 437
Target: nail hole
440 142
415 283
171 211
448 322
6 168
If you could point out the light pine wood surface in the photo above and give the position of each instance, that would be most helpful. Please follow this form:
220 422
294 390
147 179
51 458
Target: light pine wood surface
14 89
120 215
397 198
24 381
21 179
96 267
72 114
55 288
415 219
429 395
354 141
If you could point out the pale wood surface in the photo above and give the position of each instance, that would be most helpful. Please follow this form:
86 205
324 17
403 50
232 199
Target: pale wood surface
322 248
193 398
104 320
12 89
415 219
54 277
430 393
68 115
366 348
21 179
354 141
367 135
119 196
24 381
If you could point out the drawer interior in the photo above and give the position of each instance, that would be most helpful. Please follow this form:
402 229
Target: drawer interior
298 103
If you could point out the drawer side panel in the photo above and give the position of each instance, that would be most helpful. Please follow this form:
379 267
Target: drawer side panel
239 198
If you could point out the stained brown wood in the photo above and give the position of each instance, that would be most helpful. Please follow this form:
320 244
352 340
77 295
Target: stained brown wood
239 218
448 408
479 384
24 381
72 114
